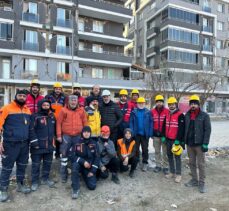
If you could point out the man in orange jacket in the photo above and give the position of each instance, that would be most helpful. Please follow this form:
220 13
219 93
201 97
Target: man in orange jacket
70 123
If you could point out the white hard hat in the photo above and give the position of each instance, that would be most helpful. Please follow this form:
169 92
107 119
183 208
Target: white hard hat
106 93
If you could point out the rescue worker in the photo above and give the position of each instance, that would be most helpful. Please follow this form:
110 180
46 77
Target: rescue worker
126 109
93 117
86 161
77 91
159 113
34 96
42 132
14 144
134 97
111 115
70 123
127 152
57 99
197 136
173 134
108 156
141 123
95 92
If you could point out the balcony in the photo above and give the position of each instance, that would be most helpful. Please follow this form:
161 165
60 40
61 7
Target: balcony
108 57
29 74
207 29
63 2
29 46
64 23
151 31
63 77
207 48
206 9
104 10
64 50
30 17
207 67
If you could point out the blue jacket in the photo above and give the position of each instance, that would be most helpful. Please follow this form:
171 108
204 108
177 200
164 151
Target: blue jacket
148 123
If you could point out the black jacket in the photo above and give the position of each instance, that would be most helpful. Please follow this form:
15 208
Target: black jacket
202 128
111 115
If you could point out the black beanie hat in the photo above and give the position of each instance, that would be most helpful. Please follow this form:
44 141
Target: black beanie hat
86 129
128 130
92 98
21 91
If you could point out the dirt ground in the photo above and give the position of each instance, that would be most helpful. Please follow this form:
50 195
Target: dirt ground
147 191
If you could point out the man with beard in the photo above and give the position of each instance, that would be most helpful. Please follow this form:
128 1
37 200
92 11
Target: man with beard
57 99
111 115
77 91
197 136
70 123
95 92
34 97
14 144
42 132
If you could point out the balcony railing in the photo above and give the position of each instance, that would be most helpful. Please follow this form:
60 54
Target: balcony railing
26 74
30 17
207 29
30 46
207 48
63 77
106 52
64 23
65 50
109 2
206 9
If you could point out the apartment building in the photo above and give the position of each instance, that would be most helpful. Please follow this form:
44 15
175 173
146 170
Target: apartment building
186 37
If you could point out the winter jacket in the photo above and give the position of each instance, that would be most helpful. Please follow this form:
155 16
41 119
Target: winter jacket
32 102
111 115
126 109
126 149
14 122
42 132
56 103
106 153
158 119
94 120
201 129
148 123
87 151
70 122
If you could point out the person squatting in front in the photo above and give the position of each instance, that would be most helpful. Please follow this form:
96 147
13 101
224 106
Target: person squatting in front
42 143
14 144
108 156
86 162
173 137
127 152
70 123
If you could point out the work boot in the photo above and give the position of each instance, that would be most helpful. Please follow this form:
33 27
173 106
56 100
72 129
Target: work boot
115 179
48 182
165 171
4 196
169 176
178 178
202 187
157 169
34 187
144 167
192 183
131 174
75 194
23 188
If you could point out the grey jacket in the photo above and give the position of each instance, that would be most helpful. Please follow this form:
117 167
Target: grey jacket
106 153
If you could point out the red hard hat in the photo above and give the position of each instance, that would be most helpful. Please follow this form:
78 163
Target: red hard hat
105 130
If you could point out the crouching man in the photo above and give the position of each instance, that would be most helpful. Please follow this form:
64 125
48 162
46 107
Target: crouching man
86 161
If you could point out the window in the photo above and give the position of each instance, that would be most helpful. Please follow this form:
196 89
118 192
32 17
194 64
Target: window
5 69
97 73
5 31
81 46
98 26
151 43
30 65
206 62
81 24
182 57
165 14
164 35
221 8
151 24
62 40
111 74
220 26
63 14
31 36
97 48
151 61
63 68
219 44
30 7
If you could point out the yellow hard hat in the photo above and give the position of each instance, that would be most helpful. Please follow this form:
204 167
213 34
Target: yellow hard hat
159 98
57 85
141 100
76 85
35 81
172 100
135 91
194 97
177 149
123 92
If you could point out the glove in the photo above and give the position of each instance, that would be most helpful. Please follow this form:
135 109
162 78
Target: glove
163 139
204 147
176 142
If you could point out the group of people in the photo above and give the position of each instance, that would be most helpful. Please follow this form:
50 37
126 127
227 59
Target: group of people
96 136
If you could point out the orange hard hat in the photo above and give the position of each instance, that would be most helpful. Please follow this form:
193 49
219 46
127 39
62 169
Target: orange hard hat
105 130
